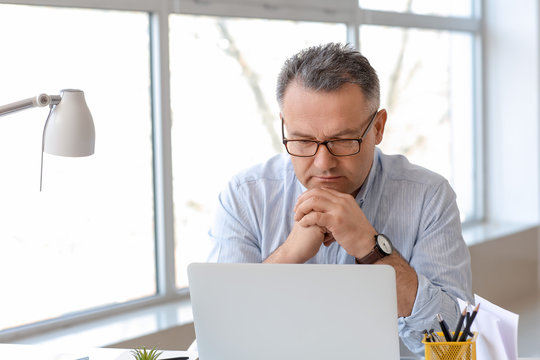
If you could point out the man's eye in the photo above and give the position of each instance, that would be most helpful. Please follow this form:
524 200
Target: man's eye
303 142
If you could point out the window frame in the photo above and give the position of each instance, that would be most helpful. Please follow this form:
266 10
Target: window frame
342 11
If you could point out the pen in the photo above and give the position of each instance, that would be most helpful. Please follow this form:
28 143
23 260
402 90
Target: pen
435 338
177 358
467 330
427 335
434 335
444 328
460 324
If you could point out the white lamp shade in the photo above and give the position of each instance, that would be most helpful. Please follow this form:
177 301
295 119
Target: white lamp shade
69 130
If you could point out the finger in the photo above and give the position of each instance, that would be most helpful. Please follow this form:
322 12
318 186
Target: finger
328 239
314 200
336 193
314 218
328 236
328 243
315 203
317 193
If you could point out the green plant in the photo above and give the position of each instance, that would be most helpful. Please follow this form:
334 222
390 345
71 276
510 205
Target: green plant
143 354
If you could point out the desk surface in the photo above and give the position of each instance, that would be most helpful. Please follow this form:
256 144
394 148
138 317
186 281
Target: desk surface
41 352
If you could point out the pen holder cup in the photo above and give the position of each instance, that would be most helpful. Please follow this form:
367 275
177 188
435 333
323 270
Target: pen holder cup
450 350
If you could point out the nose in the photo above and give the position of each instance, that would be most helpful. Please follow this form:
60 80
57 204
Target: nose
323 160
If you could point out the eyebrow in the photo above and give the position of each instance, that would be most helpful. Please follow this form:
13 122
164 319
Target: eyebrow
348 132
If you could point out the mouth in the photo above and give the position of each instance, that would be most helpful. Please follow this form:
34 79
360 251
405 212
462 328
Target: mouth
327 179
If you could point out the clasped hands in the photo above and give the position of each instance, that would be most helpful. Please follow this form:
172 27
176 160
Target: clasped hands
325 215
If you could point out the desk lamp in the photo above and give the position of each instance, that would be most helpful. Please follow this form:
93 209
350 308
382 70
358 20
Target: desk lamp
69 128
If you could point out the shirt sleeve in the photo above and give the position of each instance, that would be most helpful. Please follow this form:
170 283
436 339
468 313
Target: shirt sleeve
441 260
234 233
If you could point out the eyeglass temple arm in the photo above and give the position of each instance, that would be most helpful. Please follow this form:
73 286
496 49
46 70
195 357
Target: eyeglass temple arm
370 124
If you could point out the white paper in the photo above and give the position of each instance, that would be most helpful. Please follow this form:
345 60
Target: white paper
497 331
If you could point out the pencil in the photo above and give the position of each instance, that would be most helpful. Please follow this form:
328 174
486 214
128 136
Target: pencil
467 329
460 324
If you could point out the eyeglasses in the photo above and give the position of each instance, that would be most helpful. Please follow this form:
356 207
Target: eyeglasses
339 147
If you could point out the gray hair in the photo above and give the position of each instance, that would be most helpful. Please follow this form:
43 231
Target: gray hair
328 67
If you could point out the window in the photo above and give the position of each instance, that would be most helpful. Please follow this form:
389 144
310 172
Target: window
87 240
425 7
427 88
225 115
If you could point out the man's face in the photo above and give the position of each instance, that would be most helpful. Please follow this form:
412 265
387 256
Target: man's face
340 114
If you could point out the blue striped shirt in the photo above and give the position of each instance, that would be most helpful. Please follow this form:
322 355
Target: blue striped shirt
414 207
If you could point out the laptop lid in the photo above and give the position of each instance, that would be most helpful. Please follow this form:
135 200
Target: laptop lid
294 311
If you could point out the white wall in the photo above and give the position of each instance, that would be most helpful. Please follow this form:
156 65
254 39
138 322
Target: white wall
511 83
505 269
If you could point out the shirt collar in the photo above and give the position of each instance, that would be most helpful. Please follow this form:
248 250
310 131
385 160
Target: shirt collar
366 186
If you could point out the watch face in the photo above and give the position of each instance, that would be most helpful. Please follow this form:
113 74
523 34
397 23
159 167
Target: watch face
384 244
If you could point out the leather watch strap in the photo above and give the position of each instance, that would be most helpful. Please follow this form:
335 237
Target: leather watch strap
377 253
372 257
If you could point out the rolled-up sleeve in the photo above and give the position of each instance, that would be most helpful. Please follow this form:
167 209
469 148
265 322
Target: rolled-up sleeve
441 260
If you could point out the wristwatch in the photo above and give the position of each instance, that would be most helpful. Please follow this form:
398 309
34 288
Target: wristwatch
383 247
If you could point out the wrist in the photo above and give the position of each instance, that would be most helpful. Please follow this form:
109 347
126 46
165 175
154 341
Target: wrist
366 244
290 254
281 256
382 248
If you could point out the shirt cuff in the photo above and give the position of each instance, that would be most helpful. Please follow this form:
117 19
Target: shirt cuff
422 316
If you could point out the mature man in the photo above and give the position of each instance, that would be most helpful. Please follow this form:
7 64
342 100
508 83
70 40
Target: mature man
334 196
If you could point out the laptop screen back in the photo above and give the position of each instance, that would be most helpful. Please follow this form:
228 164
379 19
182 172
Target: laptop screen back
291 311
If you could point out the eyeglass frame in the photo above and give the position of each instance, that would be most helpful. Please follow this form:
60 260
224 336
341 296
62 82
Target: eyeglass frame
325 143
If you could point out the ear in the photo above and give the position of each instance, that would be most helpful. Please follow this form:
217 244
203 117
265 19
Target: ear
379 125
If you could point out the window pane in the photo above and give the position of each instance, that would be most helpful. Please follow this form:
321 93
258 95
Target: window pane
87 240
426 7
225 116
427 88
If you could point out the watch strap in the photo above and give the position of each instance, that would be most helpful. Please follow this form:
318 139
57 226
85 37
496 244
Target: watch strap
374 255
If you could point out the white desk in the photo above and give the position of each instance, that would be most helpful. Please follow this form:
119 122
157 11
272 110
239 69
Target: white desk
40 352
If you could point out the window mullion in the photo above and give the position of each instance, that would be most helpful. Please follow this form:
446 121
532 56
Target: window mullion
479 106
389 18
161 115
353 34
129 5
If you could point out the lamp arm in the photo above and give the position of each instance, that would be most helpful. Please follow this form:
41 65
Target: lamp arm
40 100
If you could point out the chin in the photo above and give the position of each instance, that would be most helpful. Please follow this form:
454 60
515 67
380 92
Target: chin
337 187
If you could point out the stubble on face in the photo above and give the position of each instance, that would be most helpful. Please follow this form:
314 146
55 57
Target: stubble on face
317 115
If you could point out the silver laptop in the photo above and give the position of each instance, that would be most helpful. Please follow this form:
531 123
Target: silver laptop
300 312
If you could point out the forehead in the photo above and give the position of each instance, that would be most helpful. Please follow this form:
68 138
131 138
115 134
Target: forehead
322 113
